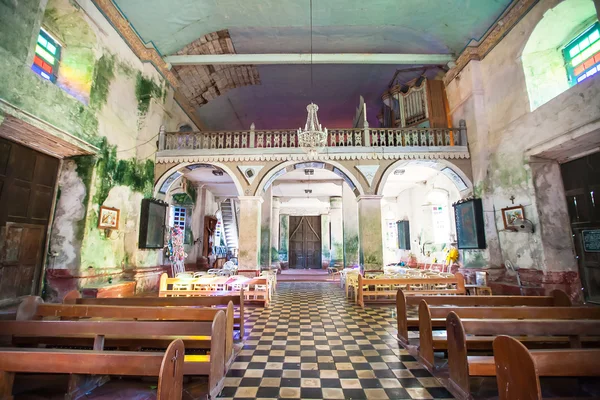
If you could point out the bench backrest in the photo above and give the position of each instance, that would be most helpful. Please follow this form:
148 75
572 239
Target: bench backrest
34 308
515 312
557 298
74 297
139 329
167 366
457 330
518 370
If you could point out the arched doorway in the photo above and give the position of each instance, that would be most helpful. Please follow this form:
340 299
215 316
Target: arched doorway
310 215
202 200
417 214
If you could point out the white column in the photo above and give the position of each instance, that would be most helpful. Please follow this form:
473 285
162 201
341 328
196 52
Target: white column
249 252
275 226
337 231
350 211
370 238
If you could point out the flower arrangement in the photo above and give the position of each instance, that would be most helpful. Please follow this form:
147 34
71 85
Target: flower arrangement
452 255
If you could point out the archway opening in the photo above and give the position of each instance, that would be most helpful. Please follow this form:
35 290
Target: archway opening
309 219
417 213
202 203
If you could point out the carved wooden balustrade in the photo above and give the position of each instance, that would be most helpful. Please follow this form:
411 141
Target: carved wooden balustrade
356 138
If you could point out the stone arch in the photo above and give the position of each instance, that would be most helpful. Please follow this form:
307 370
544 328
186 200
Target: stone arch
162 185
542 57
288 166
455 174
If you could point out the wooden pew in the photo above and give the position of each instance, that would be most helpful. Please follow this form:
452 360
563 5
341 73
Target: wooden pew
34 308
167 288
167 366
101 331
428 344
557 298
363 295
74 297
518 370
461 366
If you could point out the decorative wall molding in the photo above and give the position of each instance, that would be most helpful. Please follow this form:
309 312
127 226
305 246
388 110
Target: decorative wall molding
493 36
368 172
463 153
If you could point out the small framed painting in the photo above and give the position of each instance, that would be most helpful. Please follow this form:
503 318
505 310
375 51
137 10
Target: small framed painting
109 218
510 214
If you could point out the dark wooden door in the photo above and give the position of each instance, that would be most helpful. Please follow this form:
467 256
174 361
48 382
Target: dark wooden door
582 186
27 181
305 242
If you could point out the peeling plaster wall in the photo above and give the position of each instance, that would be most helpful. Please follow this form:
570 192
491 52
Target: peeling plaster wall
491 95
109 98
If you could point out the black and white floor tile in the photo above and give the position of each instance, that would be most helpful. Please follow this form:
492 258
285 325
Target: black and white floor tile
312 343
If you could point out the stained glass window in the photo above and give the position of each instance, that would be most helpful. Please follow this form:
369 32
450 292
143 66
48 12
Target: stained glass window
582 55
47 56
179 216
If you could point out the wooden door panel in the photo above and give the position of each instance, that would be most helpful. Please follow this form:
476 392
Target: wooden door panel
305 242
20 255
27 181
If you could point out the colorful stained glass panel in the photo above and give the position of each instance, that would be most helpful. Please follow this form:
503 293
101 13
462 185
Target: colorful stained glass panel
582 55
47 56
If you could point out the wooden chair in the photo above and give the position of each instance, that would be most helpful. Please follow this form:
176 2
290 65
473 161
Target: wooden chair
518 370
167 366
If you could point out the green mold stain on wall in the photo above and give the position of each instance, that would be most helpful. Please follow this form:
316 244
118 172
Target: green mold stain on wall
138 175
104 73
265 245
351 250
145 90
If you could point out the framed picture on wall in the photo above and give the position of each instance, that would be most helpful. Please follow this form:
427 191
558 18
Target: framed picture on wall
108 218
510 214
469 224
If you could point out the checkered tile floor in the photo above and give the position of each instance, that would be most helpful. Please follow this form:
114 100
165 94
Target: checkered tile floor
312 343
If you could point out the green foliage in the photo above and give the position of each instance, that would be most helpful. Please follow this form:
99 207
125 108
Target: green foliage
145 90
192 193
104 72
111 172
182 199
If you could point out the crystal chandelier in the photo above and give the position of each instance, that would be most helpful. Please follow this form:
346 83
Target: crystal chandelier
313 137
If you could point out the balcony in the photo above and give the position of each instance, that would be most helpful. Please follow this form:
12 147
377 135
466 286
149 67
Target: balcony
357 143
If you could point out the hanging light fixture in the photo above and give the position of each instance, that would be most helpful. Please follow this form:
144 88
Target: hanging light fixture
313 138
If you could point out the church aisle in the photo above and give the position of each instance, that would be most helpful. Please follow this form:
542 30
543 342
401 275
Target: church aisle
313 344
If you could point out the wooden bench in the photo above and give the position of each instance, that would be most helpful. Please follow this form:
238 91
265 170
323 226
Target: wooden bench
461 366
428 344
34 308
557 298
167 366
518 370
137 333
74 297
258 290
388 288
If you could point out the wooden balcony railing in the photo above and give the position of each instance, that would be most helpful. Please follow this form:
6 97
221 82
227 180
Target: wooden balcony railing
358 137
